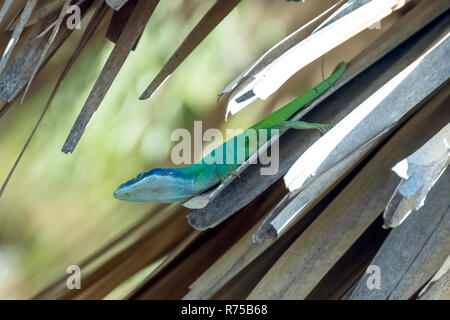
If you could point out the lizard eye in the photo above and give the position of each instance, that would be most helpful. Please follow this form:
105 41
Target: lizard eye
168 173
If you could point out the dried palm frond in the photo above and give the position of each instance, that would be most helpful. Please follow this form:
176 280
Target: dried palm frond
319 218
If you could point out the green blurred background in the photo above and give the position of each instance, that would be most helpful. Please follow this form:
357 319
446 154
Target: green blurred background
58 209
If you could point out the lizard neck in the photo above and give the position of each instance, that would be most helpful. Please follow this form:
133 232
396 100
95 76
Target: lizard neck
205 176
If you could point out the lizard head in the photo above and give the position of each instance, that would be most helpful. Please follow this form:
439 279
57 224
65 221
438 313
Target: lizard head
157 185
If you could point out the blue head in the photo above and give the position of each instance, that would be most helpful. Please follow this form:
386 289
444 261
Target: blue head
158 185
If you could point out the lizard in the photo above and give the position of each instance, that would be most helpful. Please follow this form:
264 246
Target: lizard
166 185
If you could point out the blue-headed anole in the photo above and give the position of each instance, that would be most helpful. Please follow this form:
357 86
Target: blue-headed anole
175 184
